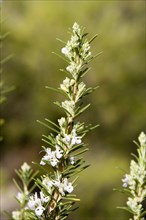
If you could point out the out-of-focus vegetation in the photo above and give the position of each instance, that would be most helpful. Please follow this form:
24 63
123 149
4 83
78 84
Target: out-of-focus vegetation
118 105
4 89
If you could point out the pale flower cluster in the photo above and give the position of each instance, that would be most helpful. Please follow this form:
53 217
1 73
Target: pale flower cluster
69 106
25 167
66 87
68 139
60 154
76 50
136 180
21 197
52 157
71 139
63 185
142 138
37 204
67 83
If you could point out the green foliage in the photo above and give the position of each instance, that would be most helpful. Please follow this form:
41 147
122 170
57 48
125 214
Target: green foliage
65 147
134 183
26 175
120 103
4 89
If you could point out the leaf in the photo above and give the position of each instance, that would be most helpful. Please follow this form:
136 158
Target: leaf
79 170
91 58
66 111
19 174
19 188
75 180
71 199
51 128
83 72
41 167
61 40
137 159
84 35
97 54
58 90
33 176
51 122
126 208
143 214
76 147
50 137
82 110
81 152
47 142
61 57
93 38
89 128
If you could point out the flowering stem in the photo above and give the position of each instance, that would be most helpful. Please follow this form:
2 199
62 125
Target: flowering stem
55 199
134 183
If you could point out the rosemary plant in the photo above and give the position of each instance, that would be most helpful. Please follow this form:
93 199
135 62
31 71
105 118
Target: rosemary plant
26 175
134 183
64 146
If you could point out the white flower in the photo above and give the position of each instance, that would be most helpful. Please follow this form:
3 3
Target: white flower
67 186
63 186
73 68
67 138
61 121
57 183
72 160
16 215
85 53
50 157
142 138
75 139
70 68
76 28
33 201
48 183
43 197
42 163
53 159
126 180
25 167
47 157
65 50
20 197
69 107
72 139
39 210
58 152
66 84
134 205
60 187
74 41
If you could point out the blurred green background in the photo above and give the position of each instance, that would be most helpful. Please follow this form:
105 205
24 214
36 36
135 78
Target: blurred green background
118 105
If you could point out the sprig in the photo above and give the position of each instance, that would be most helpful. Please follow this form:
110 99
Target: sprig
64 146
134 183
26 175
